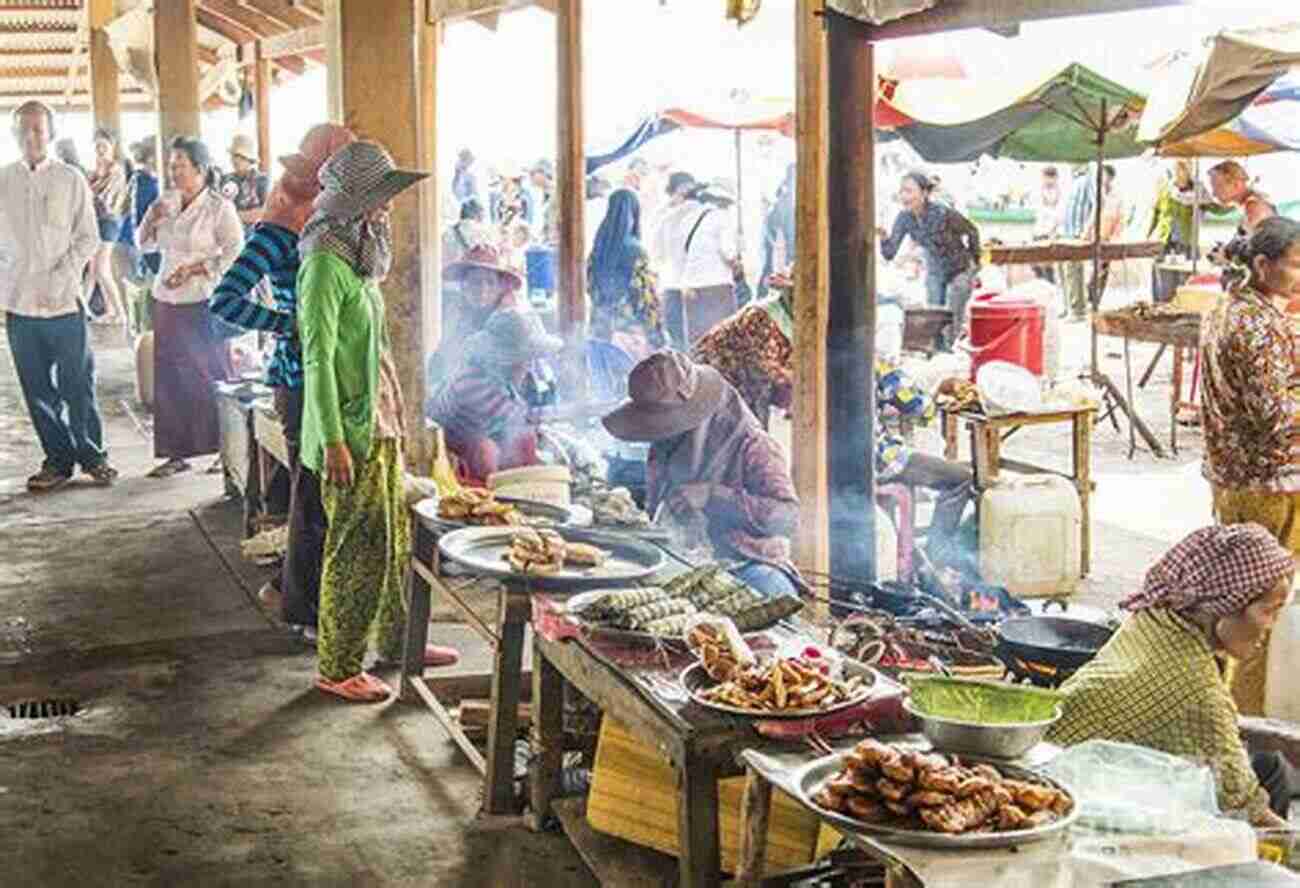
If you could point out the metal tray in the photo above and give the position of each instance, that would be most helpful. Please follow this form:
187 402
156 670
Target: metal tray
551 515
807 780
695 680
482 550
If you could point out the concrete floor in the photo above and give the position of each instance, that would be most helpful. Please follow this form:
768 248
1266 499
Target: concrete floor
204 757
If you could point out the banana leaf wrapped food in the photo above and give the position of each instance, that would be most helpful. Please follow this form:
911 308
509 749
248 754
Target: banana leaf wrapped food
615 605
641 617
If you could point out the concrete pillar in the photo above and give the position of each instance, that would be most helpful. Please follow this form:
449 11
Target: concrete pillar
379 88
176 45
104 89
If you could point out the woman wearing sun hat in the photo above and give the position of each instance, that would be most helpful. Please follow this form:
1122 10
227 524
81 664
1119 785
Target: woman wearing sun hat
352 416
483 286
480 407
711 464
271 253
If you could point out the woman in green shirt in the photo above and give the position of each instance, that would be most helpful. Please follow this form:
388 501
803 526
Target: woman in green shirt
352 424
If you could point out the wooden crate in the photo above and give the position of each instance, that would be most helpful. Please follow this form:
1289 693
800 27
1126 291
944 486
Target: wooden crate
634 797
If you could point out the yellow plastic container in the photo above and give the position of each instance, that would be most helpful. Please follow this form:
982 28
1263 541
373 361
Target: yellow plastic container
634 797
1029 536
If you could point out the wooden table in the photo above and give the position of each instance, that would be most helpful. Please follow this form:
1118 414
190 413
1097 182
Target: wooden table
1182 332
506 636
1047 252
701 745
987 435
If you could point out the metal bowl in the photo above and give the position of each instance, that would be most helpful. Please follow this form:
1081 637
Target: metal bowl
993 741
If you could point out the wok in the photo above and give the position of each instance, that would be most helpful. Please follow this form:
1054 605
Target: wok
1054 647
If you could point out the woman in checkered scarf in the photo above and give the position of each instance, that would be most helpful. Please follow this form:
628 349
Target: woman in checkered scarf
1158 682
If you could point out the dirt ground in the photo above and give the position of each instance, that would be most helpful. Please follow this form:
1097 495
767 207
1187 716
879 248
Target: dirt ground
202 755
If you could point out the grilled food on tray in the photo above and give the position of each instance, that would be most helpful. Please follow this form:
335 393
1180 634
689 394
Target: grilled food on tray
584 555
617 508
708 589
889 786
476 506
536 552
785 684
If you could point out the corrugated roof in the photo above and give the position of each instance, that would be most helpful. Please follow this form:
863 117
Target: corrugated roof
42 40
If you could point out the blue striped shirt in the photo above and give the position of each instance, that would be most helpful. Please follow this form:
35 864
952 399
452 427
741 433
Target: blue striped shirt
1080 210
271 252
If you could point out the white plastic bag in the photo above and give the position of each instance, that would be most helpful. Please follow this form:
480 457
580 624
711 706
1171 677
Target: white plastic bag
1131 789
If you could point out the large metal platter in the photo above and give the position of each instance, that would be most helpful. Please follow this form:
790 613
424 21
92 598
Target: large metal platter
482 551
537 514
806 782
695 680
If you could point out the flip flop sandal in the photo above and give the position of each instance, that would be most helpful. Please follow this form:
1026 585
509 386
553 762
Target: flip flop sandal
169 468
216 468
360 688
434 655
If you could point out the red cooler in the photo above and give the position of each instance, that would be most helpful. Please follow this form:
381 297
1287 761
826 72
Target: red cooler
1006 328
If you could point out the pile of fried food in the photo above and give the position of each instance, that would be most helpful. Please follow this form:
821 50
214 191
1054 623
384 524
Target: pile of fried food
539 552
955 395
479 507
710 644
783 685
903 789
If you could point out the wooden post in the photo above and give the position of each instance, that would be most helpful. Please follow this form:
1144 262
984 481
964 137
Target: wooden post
430 211
262 80
809 459
851 316
176 42
376 88
104 90
571 191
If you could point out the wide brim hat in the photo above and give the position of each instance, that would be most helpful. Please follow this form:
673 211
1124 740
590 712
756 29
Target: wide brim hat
670 395
512 336
243 146
486 258
359 177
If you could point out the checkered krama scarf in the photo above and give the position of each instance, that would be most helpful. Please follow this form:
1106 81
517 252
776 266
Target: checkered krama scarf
1214 572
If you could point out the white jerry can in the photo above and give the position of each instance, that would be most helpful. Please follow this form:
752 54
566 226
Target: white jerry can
1029 536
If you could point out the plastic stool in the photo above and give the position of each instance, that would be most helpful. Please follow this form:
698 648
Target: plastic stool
904 508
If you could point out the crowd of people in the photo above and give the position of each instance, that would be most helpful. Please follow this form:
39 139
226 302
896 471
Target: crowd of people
702 379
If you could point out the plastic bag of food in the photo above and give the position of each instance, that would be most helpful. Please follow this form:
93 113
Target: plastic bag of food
717 643
1131 789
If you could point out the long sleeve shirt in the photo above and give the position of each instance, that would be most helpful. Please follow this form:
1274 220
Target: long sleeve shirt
947 237
206 231
1156 684
271 252
478 405
47 235
1250 395
754 509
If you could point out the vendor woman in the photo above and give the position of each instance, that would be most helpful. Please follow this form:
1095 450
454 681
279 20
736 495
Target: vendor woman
481 408
950 242
712 465
1250 409
1157 681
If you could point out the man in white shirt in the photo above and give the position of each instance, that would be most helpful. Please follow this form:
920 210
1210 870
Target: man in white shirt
47 235
702 243
667 251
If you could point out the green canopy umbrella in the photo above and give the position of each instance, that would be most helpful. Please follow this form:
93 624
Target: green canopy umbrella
1073 116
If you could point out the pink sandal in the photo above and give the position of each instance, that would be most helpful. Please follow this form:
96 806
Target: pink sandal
360 688
438 655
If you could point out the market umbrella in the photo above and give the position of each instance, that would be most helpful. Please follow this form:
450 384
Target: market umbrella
1073 115
1239 67
1065 117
